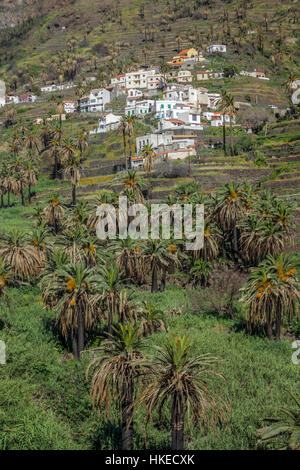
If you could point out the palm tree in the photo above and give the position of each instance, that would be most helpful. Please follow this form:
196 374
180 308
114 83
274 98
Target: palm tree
22 258
31 142
111 285
54 214
177 375
222 108
287 426
148 165
4 277
74 165
152 319
55 152
81 143
158 256
130 131
30 176
115 379
201 272
133 187
123 128
271 293
76 289
227 106
229 208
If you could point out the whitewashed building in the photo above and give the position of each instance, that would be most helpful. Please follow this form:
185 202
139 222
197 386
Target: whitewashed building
95 101
107 122
155 139
216 48
70 106
53 87
140 108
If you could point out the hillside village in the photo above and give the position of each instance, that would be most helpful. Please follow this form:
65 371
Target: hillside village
182 110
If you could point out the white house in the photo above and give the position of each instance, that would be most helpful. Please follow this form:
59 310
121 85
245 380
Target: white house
107 122
28 98
95 101
70 106
216 118
12 98
140 108
156 140
163 108
48 88
184 76
155 82
216 48
254 74
53 87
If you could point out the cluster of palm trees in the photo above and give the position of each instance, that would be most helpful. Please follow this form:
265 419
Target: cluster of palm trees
17 175
90 284
28 146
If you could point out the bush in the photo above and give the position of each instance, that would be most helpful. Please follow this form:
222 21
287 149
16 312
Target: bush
171 170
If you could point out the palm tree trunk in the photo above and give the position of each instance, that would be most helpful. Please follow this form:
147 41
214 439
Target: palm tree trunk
163 280
224 135
127 414
8 198
231 141
74 346
29 193
154 286
177 416
2 200
22 197
110 318
74 194
124 146
80 333
130 153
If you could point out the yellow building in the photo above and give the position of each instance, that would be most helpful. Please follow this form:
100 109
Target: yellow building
188 53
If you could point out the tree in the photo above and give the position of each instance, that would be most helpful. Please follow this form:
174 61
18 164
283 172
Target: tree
148 165
74 165
123 127
111 284
222 108
54 214
271 293
115 379
23 259
158 257
30 175
286 426
75 289
180 377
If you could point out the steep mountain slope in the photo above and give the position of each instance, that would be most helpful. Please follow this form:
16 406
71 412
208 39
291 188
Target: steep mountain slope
260 32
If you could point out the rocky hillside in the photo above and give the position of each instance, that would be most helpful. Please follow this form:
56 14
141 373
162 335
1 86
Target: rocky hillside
262 33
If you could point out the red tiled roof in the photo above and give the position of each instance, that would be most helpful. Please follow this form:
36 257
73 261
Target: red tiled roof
176 121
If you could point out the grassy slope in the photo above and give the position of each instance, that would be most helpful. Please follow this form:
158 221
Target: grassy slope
44 396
